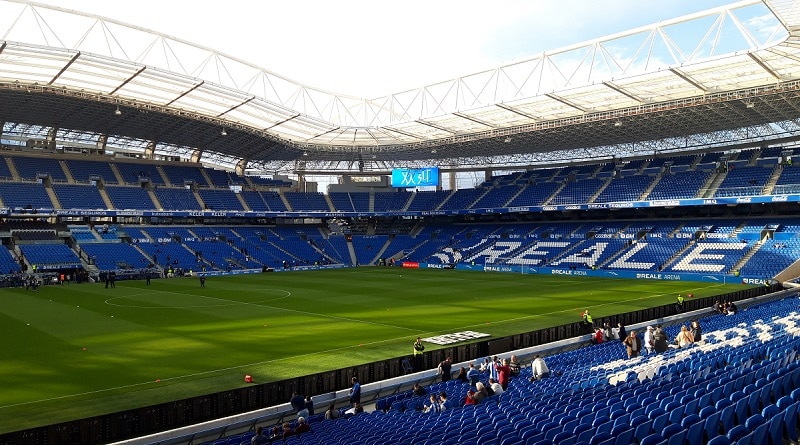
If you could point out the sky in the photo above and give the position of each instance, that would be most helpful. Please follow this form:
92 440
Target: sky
369 48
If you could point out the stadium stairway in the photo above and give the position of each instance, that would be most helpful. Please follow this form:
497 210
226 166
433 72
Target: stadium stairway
12 168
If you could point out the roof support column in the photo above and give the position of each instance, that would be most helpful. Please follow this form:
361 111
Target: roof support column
452 180
150 150
51 138
239 169
101 143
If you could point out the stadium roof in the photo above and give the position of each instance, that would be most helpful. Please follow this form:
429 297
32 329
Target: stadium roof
716 78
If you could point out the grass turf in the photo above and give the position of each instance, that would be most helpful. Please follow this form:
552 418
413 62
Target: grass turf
82 350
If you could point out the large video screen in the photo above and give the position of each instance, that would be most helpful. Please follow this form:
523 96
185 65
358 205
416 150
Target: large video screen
415 177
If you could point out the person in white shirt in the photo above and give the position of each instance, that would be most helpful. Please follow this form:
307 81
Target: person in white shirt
539 368
496 387
434 406
648 340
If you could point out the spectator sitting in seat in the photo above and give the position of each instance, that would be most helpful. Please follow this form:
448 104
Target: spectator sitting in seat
287 430
434 406
260 437
302 426
480 393
331 413
462 375
356 409
496 387
445 404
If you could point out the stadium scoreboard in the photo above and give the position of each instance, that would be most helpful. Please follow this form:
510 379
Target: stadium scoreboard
415 177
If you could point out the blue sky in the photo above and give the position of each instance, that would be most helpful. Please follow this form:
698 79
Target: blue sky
372 48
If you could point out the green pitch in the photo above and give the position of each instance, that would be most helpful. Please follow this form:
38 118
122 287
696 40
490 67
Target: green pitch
75 351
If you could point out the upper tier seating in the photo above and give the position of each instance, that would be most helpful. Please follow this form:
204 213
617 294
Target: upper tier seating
254 201
628 188
176 199
219 178
744 181
83 171
265 182
134 173
216 199
30 168
5 173
274 201
179 175
350 201
428 200
307 201
535 194
681 185
130 198
497 196
391 201
462 199
25 195
577 192
74 196
789 180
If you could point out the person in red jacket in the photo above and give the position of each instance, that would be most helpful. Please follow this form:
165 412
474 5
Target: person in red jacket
504 374
599 336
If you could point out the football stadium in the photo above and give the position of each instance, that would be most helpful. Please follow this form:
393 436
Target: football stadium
201 251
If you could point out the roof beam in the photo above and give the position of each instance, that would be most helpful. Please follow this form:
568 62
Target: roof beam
566 102
282 122
141 70
474 119
432 125
404 133
689 80
324 133
180 96
236 106
624 92
515 111
764 65
66 66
